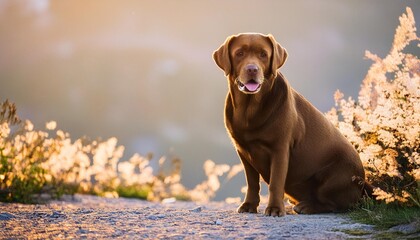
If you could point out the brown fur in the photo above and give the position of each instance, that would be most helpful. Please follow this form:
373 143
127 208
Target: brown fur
282 137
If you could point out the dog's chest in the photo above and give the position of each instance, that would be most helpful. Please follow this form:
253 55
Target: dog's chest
250 131
256 141
258 152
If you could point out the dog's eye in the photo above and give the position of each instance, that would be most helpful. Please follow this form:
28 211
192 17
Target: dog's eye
239 53
263 54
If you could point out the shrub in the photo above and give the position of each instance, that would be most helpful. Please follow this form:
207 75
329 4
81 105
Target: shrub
23 153
384 123
37 165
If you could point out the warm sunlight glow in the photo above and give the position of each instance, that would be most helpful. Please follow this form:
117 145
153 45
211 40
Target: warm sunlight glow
383 125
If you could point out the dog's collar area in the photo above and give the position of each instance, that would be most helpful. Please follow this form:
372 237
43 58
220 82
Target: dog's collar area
251 86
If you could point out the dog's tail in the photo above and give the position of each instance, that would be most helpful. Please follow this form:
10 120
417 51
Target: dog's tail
367 188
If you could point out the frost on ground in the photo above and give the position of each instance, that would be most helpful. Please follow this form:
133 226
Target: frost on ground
95 217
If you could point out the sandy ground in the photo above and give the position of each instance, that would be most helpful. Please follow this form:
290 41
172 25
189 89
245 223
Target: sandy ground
95 217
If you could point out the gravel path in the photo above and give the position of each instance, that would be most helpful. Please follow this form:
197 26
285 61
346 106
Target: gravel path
95 217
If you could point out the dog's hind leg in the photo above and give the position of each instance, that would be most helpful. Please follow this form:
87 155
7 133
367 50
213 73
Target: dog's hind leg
335 192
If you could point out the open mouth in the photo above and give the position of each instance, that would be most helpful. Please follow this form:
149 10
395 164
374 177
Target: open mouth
250 87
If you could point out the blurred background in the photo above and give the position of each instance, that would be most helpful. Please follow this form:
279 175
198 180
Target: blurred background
142 71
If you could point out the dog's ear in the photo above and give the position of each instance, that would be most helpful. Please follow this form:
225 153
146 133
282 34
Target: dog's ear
279 55
222 58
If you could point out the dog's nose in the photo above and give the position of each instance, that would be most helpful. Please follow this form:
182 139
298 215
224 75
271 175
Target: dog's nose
251 69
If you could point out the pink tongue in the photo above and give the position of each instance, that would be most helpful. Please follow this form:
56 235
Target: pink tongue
252 86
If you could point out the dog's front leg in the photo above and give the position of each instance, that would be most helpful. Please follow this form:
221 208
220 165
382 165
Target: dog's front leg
252 198
278 174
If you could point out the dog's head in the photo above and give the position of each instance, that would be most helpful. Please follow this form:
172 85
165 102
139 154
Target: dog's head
250 59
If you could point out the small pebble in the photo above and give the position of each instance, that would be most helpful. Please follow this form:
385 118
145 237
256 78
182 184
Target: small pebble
82 231
156 217
218 222
169 200
410 228
6 216
197 209
56 214
152 217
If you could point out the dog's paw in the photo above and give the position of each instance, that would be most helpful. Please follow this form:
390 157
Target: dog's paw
309 208
248 208
300 208
275 212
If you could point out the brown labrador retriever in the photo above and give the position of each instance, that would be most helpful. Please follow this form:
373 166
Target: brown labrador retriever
282 137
